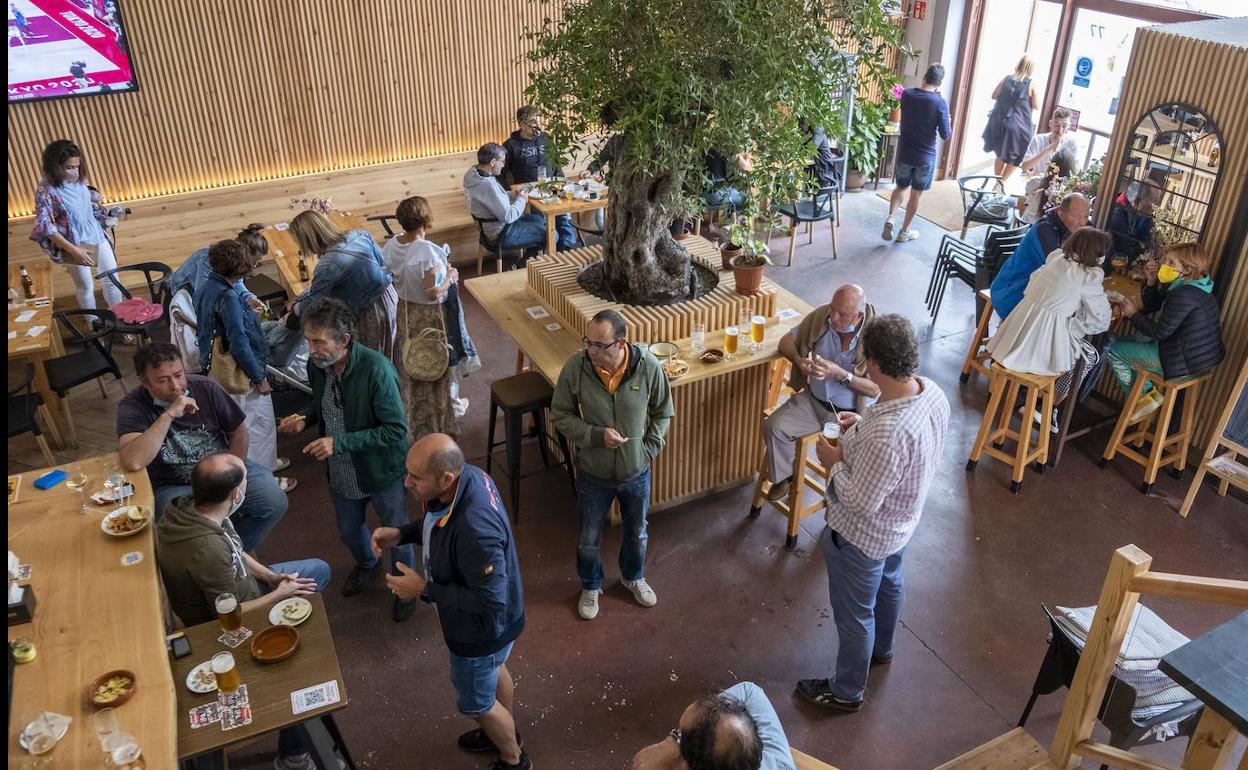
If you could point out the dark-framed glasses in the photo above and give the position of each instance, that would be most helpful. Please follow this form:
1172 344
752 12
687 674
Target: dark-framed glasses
600 345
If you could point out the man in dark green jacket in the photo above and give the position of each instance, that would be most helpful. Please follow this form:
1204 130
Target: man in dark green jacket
358 411
614 403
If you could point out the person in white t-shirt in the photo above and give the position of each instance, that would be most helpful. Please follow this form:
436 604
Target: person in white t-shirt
1043 147
427 287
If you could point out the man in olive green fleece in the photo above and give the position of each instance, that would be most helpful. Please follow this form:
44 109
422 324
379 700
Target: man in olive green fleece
614 403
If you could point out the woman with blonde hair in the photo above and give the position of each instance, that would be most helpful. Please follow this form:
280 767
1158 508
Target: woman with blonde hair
1184 337
350 269
1009 128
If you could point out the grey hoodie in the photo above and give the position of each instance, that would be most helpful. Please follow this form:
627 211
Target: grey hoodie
487 199
200 560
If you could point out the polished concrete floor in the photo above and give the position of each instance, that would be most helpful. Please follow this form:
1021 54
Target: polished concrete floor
735 605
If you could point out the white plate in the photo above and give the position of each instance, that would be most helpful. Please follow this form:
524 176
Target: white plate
59 728
147 519
278 619
197 688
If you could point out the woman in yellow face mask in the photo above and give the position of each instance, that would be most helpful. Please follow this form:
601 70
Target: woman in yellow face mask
1179 333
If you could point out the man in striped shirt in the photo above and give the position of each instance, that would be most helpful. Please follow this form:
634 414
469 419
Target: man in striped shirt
880 473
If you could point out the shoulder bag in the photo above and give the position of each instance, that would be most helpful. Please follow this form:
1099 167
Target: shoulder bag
222 367
426 355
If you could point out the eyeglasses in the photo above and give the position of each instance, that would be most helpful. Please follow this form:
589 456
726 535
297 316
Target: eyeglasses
600 345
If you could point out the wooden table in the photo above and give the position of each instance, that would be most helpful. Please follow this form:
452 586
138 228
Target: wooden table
47 344
569 206
1214 668
285 250
93 615
715 439
269 686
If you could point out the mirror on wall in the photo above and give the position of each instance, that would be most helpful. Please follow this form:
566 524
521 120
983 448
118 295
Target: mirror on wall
1167 180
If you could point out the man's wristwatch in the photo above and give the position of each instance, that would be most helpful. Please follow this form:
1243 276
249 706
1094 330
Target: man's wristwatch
847 380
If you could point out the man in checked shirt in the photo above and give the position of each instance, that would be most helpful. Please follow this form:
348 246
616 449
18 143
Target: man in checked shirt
880 473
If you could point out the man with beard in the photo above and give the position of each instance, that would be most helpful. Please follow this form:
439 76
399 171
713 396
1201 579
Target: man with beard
358 411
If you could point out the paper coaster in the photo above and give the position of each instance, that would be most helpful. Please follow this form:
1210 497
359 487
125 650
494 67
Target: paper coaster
233 639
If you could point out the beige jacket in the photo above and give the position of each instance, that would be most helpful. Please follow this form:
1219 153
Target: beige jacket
812 329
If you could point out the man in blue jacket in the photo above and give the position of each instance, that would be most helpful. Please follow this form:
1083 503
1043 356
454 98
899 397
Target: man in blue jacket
1045 236
472 574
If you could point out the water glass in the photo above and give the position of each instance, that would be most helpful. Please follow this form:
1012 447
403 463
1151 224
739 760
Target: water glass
77 481
105 723
697 338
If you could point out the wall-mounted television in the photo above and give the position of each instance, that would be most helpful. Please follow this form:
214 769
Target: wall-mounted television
60 48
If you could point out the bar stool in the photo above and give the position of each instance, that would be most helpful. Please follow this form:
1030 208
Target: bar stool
1005 387
1155 428
808 473
977 355
518 395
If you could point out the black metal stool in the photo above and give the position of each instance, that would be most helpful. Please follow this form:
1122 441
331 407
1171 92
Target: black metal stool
518 395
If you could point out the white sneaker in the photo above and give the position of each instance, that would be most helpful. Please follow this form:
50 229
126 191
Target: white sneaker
888 230
907 235
282 464
459 406
1037 418
287 483
642 592
588 606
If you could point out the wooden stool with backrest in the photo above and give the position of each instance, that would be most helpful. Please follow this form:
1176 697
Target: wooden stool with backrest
1006 385
1154 429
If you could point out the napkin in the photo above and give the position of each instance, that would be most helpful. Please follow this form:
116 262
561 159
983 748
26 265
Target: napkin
12 335
35 331
24 316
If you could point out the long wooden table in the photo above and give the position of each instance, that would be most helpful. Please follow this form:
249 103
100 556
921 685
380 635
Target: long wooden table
285 250
93 615
38 349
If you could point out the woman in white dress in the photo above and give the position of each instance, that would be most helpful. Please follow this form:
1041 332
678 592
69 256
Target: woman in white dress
1064 302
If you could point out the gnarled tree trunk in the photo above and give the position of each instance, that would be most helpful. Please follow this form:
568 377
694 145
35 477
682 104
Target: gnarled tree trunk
644 264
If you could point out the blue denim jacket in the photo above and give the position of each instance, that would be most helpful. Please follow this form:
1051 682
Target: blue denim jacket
194 271
222 311
357 278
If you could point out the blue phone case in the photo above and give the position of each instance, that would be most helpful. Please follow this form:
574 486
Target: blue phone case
50 479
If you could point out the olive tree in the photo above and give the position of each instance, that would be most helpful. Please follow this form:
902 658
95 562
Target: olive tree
667 82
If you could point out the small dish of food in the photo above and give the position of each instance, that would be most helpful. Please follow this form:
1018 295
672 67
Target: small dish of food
290 612
200 679
711 356
274 644
126 521
675 368
112 689
662 350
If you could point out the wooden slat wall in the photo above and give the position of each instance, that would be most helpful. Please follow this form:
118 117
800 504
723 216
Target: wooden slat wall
1208 74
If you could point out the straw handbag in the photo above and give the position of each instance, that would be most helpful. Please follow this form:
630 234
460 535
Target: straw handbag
427 355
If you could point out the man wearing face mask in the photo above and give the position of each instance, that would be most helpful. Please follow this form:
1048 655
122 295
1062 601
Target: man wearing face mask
1131 219
173 420
358 412
829 375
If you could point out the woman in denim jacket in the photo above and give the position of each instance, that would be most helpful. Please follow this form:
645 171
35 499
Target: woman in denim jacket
68 216
350 269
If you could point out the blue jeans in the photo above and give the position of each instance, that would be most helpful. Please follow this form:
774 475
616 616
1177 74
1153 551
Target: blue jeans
776 751
476 681
593 501
866 599
918 177
725 197
353 530
308 568
529 232
263 507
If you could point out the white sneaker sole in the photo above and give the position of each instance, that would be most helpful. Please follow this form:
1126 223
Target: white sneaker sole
587 612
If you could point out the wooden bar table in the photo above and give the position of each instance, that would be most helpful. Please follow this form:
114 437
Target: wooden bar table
1214 668
285 250
569 206
44 345
93 615
715 440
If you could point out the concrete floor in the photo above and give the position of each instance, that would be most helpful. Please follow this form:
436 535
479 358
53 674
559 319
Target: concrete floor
734 604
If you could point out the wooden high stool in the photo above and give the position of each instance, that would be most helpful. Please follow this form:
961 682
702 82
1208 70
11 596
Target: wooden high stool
1154 429
518 395
808 473
1005 387
977 355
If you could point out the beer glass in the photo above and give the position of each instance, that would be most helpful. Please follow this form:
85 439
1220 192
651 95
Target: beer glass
225 672
758 327
832 432
229 613
1119 263
730 341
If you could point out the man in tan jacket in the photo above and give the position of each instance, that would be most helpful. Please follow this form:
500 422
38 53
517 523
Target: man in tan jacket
829 375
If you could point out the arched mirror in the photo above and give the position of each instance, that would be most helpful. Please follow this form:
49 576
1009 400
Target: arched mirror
1167 181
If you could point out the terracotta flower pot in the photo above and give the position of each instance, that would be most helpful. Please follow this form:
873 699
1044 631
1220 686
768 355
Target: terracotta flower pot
855 180
727 253
748 279
895 115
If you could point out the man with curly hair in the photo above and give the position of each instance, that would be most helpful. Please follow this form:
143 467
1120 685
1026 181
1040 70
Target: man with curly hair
880 472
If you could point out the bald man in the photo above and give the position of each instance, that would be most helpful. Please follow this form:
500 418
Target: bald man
829 375
472 574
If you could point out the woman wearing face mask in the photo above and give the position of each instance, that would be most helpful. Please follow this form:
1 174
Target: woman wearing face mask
69 224
1184 338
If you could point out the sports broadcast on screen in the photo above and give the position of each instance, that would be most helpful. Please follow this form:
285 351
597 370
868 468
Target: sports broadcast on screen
61 48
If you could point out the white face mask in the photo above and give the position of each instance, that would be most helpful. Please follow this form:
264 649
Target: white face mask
236 502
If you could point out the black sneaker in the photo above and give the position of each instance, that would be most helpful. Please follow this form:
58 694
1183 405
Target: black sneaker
523 764
477 741
402 610
819 692
359 578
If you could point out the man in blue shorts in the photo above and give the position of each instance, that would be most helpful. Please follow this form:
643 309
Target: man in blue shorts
924 114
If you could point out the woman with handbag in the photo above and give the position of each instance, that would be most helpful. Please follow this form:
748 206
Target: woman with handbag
349 268
233 350
432 341
69 223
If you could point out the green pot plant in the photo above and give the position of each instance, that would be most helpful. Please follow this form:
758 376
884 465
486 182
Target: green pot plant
752 255
685 211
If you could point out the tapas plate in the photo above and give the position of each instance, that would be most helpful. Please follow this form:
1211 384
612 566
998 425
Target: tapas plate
663 350
290 612
274 644
200 679
112 689
126 521
675 368
711 356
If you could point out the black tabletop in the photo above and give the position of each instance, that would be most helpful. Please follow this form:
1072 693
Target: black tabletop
1214 668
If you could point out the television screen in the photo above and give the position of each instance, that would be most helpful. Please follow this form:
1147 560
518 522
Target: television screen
63 48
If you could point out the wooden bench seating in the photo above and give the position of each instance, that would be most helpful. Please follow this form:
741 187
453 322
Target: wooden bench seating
1015 750
807 762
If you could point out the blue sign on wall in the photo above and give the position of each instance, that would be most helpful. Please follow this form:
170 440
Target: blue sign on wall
1082 82
1083 66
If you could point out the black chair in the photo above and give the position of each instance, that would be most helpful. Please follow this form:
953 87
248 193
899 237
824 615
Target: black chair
495 245
156 275
265 288
979 196
969 264
822 205
385 220
518 395
24 403
92 357
1058 670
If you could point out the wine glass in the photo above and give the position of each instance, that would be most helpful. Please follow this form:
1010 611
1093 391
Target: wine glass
77 481
115 481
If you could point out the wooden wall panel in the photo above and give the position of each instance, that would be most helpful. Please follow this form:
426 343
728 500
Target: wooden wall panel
1201 64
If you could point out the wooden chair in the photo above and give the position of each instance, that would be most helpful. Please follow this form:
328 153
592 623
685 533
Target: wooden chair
1226 466
1154 429
977 355
1005 388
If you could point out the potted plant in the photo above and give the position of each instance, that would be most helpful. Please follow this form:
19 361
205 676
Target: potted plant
894 115
684 212
750 258
862 143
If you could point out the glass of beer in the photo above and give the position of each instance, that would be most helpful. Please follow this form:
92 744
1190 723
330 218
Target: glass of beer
226 672
229 613
730 341
1119 263
832 432
758 327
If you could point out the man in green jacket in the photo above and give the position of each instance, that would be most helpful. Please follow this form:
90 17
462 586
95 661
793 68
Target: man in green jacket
614 403
358 411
